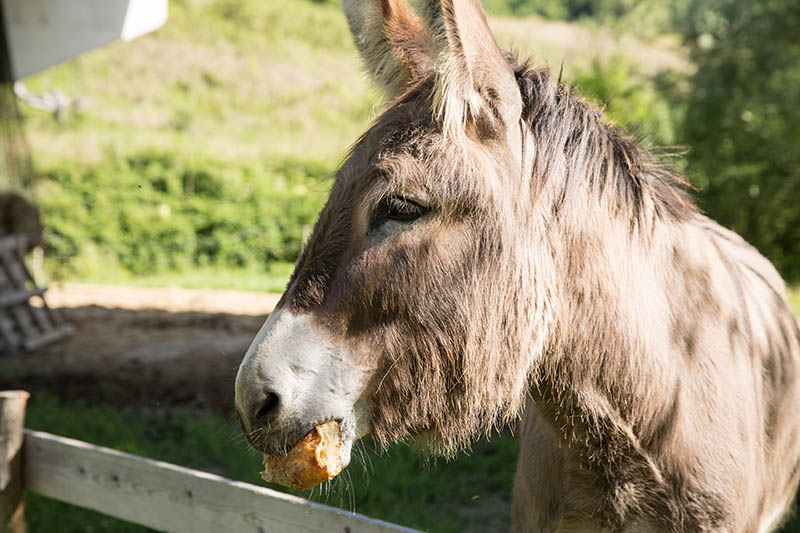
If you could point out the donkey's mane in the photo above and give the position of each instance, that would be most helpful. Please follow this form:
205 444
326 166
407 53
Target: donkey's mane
575 147
575 143
575 133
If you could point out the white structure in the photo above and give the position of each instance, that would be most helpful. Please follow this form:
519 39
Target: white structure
41 33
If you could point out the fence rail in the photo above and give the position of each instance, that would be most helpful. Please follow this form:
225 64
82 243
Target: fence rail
168 497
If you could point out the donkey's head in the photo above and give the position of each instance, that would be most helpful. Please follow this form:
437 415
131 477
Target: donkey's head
405 314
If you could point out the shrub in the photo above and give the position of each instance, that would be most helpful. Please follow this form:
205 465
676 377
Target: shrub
641 103
743 121
153 213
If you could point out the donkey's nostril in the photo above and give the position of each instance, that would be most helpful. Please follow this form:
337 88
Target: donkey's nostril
268 408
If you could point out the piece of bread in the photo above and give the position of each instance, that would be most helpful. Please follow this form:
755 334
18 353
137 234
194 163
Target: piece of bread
317 457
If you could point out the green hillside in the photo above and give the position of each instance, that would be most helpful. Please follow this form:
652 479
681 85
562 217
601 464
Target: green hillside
208 144
252 80
235 81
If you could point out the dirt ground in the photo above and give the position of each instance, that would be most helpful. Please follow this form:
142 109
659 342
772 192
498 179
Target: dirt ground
143 346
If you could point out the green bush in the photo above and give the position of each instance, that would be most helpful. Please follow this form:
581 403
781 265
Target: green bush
641 103
151 213
601 10
743 120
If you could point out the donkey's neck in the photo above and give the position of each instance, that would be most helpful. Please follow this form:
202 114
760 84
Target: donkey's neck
617 215
608 382
590 384
606 362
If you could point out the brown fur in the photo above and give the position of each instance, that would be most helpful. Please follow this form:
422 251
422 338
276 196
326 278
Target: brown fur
561 274
394 43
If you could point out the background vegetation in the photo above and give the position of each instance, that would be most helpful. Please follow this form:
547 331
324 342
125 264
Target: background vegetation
742 120
210 143
208 147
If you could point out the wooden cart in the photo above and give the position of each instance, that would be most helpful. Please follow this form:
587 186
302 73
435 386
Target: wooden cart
26 322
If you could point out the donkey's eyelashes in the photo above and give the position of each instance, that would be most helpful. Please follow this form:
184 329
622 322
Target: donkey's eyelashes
398 209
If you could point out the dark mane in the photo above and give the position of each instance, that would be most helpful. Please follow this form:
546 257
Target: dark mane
576 133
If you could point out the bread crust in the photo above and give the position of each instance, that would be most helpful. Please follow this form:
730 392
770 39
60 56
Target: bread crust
315 458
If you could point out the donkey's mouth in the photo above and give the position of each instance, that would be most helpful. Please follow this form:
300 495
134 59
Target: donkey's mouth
304 455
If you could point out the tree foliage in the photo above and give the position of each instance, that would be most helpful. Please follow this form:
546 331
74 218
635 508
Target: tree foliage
653 14
743 120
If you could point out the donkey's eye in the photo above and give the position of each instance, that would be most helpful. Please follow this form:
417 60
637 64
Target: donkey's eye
397 208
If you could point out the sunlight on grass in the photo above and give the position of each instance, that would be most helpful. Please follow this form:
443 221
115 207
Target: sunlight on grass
247 81
273 279
794 299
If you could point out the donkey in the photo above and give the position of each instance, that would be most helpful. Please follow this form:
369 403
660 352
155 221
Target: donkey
493 250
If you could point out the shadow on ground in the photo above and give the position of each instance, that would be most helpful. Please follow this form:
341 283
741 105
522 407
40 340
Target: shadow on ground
139 357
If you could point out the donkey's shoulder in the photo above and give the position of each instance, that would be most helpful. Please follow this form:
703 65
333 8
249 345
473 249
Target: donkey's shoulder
755 270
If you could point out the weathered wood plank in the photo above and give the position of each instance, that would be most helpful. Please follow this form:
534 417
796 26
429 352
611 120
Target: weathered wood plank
12 419
172 498
47 337
17 297
12 243
23 326
9 339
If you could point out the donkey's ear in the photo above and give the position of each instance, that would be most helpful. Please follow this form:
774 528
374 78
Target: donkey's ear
393 42
475 83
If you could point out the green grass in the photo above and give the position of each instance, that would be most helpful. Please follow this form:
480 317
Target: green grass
469 493
794 299
273 279
249 101
247 81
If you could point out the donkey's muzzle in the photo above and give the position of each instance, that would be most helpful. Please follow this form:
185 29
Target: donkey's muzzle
260 410
294 376
268 424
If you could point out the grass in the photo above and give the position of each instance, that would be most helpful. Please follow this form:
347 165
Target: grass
794 299
273 279
244 83
229 87
247 81
469 493
239 87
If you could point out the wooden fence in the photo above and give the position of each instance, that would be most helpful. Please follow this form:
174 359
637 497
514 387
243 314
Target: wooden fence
152 493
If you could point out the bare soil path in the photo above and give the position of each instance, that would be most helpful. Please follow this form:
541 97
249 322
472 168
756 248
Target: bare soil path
151 347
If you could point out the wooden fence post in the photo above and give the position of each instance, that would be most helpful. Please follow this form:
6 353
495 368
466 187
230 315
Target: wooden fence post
12 420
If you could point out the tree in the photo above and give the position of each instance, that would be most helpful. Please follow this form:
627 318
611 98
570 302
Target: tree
743 120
